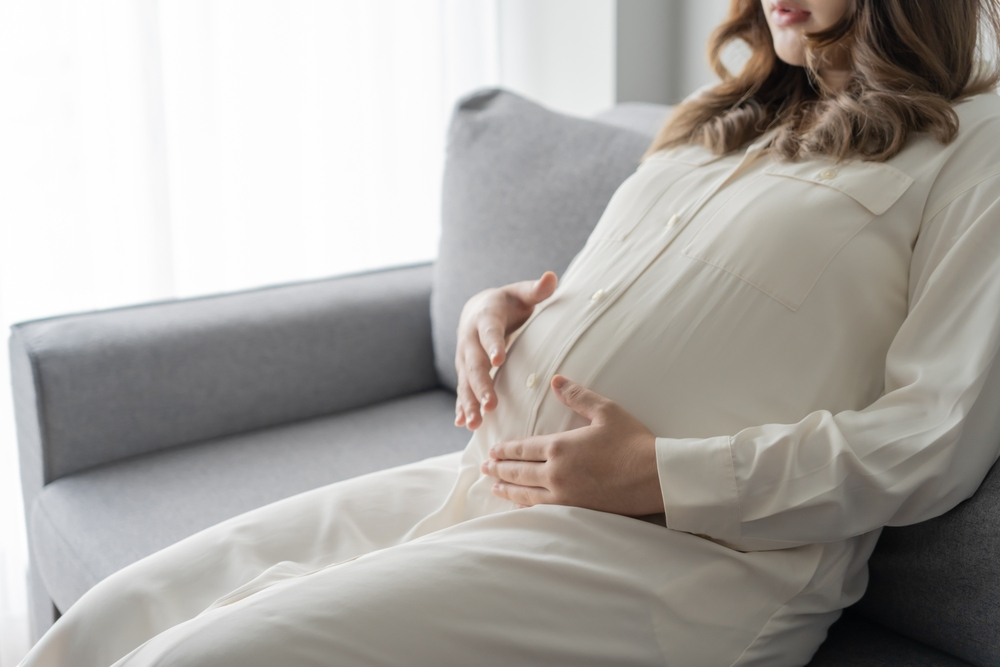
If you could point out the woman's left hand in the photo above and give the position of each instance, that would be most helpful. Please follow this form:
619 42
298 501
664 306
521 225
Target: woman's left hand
609 465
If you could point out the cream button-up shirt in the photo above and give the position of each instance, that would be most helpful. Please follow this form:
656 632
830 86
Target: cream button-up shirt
804 338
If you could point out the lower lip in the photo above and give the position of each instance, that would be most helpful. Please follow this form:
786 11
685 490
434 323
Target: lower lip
791 17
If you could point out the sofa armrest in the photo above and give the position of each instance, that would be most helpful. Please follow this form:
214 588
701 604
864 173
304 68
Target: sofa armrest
98 387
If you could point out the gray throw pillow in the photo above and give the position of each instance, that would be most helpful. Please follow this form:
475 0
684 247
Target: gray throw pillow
523 188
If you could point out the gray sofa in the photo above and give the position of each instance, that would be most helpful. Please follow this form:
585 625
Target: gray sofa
142 425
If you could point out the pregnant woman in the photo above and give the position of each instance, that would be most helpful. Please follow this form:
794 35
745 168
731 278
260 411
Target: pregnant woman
763 355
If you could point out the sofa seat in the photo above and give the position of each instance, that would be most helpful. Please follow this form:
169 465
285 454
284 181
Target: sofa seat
89 525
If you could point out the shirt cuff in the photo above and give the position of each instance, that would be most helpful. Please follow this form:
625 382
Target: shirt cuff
698 483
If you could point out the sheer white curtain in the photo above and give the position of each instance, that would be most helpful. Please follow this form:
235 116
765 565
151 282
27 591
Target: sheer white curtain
158 149
161 148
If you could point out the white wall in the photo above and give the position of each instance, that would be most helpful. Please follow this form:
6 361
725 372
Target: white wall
559 52
648 51
661 48
699 18
581 56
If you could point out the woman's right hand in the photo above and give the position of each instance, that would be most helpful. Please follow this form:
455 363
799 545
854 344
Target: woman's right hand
487 319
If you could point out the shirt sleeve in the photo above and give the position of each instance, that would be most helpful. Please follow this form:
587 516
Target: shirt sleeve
898 461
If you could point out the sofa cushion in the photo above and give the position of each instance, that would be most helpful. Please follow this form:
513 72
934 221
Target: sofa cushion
855 642
523 188
89 525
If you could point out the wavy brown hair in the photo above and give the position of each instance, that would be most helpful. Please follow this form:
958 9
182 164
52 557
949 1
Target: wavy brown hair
910 59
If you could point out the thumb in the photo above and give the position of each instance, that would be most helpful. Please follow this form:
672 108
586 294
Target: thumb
579 399
544 287
532 292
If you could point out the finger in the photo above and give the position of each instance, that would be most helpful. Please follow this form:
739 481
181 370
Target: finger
470 405
533 292
459 406
529 449
477 369
525 496
492 339
522 473
578 398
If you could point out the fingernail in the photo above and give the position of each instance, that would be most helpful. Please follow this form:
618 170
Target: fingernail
559 382
494 355
485 399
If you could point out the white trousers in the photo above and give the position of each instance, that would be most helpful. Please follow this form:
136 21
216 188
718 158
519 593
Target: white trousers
336 576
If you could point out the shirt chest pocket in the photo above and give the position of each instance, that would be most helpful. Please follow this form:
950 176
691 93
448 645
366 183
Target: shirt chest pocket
786 225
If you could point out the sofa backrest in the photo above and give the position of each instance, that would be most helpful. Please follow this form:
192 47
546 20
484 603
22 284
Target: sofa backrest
524 187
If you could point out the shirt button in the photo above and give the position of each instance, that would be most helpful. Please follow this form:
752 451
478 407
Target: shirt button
827 174
530 382
672 222
597 296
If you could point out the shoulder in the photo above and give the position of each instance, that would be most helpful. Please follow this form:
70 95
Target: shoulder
979 115
969 162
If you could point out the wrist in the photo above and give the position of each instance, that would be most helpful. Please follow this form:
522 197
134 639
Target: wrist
649 495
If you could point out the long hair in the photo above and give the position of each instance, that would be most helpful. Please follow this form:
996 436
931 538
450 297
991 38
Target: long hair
910 61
